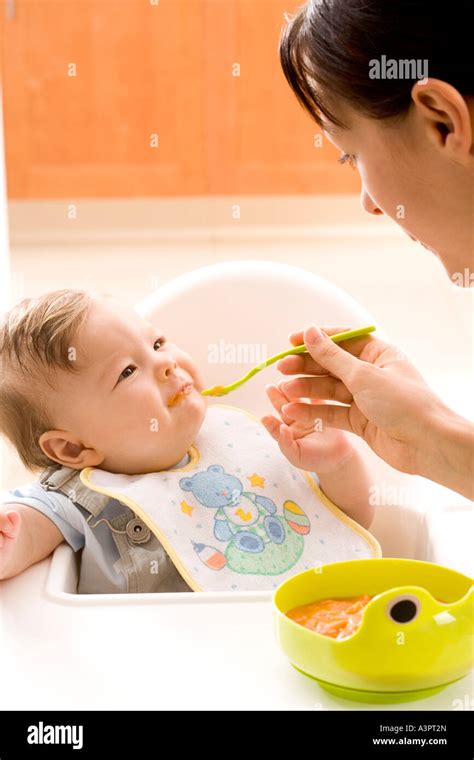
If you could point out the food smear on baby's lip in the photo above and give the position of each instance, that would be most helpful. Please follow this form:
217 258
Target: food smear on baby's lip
178 397
337 618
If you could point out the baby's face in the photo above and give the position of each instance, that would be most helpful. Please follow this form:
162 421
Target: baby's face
122 402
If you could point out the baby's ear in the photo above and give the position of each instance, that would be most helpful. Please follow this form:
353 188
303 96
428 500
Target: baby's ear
186 484
67 449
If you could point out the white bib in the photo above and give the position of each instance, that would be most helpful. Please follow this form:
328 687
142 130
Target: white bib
238 516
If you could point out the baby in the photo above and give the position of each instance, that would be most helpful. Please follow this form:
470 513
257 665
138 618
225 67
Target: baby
83 378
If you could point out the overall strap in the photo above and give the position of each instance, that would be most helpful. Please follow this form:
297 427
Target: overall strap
67 481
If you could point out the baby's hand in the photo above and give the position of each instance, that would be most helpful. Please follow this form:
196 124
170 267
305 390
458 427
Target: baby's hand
10 524
309 448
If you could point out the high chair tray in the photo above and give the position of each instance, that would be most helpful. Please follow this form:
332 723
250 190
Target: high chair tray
154 651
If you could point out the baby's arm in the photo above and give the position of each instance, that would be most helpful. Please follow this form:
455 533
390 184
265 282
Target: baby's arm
335 456
26 537
348 486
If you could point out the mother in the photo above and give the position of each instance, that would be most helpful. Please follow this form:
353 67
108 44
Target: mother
412 143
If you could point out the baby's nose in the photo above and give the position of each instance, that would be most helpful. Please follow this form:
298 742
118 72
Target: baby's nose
165 366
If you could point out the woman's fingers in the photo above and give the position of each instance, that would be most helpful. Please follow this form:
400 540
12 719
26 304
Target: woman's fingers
327 357
366 348
327 387
297 338
302 364
327 415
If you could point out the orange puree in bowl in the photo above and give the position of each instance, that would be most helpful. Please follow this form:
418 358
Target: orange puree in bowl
337 618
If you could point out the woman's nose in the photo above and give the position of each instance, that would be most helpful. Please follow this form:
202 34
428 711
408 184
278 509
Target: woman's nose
368 204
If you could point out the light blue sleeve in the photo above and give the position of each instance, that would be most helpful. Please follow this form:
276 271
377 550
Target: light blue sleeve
54 505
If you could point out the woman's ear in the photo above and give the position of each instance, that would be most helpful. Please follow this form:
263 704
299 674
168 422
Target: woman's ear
447 117
66 449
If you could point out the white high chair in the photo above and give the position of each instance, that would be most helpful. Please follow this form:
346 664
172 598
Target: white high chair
195 645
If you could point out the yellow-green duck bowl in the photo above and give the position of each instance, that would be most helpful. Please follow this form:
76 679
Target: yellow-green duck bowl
416 635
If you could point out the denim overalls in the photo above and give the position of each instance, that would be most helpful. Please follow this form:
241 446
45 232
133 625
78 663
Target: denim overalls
143 560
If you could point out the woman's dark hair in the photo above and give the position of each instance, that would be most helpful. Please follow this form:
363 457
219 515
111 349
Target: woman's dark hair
328 47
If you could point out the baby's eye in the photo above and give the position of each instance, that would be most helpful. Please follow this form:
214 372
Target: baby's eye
348 157
160 341
123 375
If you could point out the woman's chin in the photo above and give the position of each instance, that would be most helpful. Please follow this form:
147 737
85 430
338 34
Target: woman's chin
455 265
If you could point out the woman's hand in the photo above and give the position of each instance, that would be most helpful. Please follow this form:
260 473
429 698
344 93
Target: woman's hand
386 402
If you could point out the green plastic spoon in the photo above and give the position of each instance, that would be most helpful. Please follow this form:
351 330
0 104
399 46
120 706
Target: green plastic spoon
222 390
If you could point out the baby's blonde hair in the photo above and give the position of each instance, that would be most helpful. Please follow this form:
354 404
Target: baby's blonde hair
36 335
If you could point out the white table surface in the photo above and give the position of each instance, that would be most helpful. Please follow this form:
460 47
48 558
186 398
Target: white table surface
152 654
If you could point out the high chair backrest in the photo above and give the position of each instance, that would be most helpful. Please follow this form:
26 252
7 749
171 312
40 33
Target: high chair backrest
232 316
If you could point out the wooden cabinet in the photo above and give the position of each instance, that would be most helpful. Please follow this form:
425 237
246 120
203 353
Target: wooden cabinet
128 98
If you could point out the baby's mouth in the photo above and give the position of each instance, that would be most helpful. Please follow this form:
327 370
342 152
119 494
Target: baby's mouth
184 391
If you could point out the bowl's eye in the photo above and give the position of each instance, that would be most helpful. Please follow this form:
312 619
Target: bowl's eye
403 609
